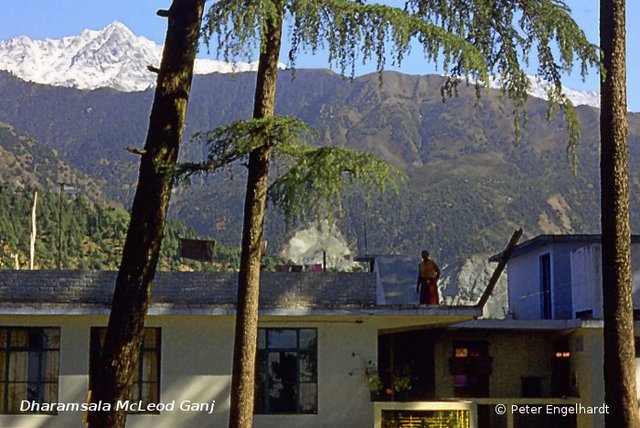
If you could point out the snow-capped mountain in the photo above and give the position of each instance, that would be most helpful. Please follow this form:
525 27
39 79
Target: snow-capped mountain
115 57
112 57
538 88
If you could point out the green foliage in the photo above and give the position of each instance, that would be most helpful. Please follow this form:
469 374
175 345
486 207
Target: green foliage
234 142
92 235
507 33
349 30
472 39
315 184
316 177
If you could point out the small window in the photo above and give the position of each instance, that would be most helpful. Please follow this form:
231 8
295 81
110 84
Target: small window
461 352
286 371
29 364
471 367
146 381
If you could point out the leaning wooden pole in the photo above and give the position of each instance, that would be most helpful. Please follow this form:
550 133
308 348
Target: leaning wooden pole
493 281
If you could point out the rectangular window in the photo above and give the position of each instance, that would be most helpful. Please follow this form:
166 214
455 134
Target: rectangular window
146 381
471 367
287 371
29 364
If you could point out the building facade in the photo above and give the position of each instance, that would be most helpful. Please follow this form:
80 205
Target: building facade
318 340
555 287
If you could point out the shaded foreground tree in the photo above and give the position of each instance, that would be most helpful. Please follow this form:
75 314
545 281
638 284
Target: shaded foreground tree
349 29
246 327
619 351
113 380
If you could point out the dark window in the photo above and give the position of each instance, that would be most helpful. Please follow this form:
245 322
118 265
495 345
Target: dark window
587 314
29 361
561 384
471 367
531 386
146 381
286 371
545 286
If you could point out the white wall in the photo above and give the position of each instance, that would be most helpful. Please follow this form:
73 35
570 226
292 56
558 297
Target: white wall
196 365
586 291
586 278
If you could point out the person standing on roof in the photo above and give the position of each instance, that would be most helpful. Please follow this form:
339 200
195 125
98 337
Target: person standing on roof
428 276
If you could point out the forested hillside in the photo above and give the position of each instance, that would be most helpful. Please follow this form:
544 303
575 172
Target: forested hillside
92 234
470 185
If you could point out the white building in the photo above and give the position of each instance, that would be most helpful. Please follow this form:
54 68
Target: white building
318 334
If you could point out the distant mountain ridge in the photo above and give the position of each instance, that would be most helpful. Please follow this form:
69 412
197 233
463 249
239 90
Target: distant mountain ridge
116 58
113 57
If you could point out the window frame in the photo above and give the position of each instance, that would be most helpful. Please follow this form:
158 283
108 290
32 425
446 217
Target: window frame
262 361
42 353
98 332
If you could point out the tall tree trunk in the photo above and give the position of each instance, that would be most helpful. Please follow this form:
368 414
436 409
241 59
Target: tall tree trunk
619 354
114 379
246 330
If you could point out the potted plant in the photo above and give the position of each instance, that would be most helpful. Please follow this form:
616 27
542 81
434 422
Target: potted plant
401 386
372 381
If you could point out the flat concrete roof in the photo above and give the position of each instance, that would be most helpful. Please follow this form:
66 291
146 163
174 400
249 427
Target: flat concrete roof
211 293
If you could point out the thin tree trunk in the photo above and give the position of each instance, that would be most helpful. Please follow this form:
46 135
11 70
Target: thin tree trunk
619 354
246 329
114 379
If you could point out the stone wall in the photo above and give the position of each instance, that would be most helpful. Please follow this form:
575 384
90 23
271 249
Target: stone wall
317 290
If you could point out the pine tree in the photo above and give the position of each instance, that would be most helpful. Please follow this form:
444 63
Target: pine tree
463 37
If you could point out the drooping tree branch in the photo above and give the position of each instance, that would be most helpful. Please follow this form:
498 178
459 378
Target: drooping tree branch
234 142
315 178
508 33
348 30
313 186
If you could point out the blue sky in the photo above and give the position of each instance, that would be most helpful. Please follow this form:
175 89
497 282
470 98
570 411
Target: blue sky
55 19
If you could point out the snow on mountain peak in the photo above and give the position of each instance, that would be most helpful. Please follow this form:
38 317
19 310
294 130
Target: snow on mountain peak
112 57
115 57
538 88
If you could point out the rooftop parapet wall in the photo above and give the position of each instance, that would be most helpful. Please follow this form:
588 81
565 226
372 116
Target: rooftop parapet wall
318 290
